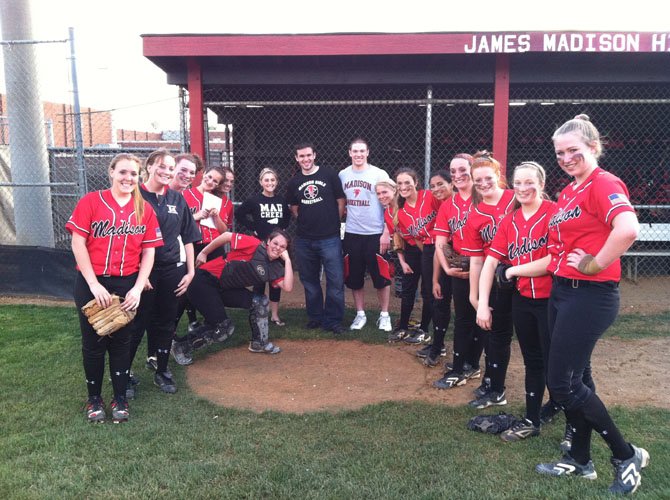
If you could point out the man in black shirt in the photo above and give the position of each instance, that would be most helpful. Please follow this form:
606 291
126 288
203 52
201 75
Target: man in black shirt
316 198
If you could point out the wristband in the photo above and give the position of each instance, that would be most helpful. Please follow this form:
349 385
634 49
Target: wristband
588 265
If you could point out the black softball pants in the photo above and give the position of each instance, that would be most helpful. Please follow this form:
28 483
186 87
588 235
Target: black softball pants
499 339
210 299
468 337
441 315
157 311
94 347
532 330
421 262
579 313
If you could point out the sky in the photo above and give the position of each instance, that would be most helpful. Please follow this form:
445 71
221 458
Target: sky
113 73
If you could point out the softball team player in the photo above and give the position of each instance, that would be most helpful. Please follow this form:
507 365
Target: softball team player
262 214
449 231
114 235
170 277
440 187
223 282
521 239
415 222
594 224
490 204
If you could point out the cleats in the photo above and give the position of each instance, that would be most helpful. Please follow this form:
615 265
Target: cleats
548 411
397 335
484 387
425 351
269 348
165 382
521 430
450 379
417 336
627 473
120 410
95 410
567 467
491 398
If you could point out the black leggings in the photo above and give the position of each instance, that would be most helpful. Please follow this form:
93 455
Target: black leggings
468 337
441 315
532 330
210 299
156 314
421 263
577 319
94 348
499 340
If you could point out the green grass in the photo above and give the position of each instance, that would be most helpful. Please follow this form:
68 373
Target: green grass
182 446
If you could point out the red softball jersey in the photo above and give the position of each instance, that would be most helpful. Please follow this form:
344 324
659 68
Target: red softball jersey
242 247
451 219
482 224
520 241
583 219
114 239
418 222
194 199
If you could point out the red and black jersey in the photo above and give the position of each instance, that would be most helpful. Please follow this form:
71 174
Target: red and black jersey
583 219
257 267
418 222
194 199
520 241
482 224
114 238
451 219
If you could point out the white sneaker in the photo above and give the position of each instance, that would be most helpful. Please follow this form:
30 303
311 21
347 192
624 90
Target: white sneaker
384 323
359 322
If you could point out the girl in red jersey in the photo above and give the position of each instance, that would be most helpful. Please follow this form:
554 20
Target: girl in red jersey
221 216
415 220
114 234
223 282
594 224
490 204
521 239
449 231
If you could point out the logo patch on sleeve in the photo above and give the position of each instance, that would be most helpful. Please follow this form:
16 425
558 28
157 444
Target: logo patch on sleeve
618 198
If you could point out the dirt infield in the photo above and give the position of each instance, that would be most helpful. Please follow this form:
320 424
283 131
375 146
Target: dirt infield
333 375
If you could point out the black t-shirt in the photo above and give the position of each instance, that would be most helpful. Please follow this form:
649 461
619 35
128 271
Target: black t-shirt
262 214
316 196
175 219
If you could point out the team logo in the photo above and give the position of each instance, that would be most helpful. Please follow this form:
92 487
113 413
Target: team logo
172 209
357 192
311 192
260 270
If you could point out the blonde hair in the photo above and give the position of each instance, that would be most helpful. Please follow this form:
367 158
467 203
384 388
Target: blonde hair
268 170
541 176
138 200
390 183
582 126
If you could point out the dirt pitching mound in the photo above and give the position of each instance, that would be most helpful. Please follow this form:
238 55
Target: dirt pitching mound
330 375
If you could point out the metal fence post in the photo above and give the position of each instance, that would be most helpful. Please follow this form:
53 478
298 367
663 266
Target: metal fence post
429 135
79 142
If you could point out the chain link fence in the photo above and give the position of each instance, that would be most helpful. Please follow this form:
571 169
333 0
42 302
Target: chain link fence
49 160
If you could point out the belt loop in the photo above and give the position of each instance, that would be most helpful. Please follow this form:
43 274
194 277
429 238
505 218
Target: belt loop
575 283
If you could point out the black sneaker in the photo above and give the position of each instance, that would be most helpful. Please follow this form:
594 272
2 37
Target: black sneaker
430 361
449 365
548 411
566 442
483 388
165 382
181 352
425 351
151 363
627 473
224 331
471 372
450 379
120 410
95 410
523 429
567 467
337 329
417 336
491 398
398 334
312 324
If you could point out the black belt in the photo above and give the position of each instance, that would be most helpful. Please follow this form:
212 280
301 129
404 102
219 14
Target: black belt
575 283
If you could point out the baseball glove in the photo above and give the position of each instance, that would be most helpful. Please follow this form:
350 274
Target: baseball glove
492 424
106 321
455 260
397 243
503 282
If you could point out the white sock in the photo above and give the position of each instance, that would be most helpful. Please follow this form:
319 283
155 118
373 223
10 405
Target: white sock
360 313
383 314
